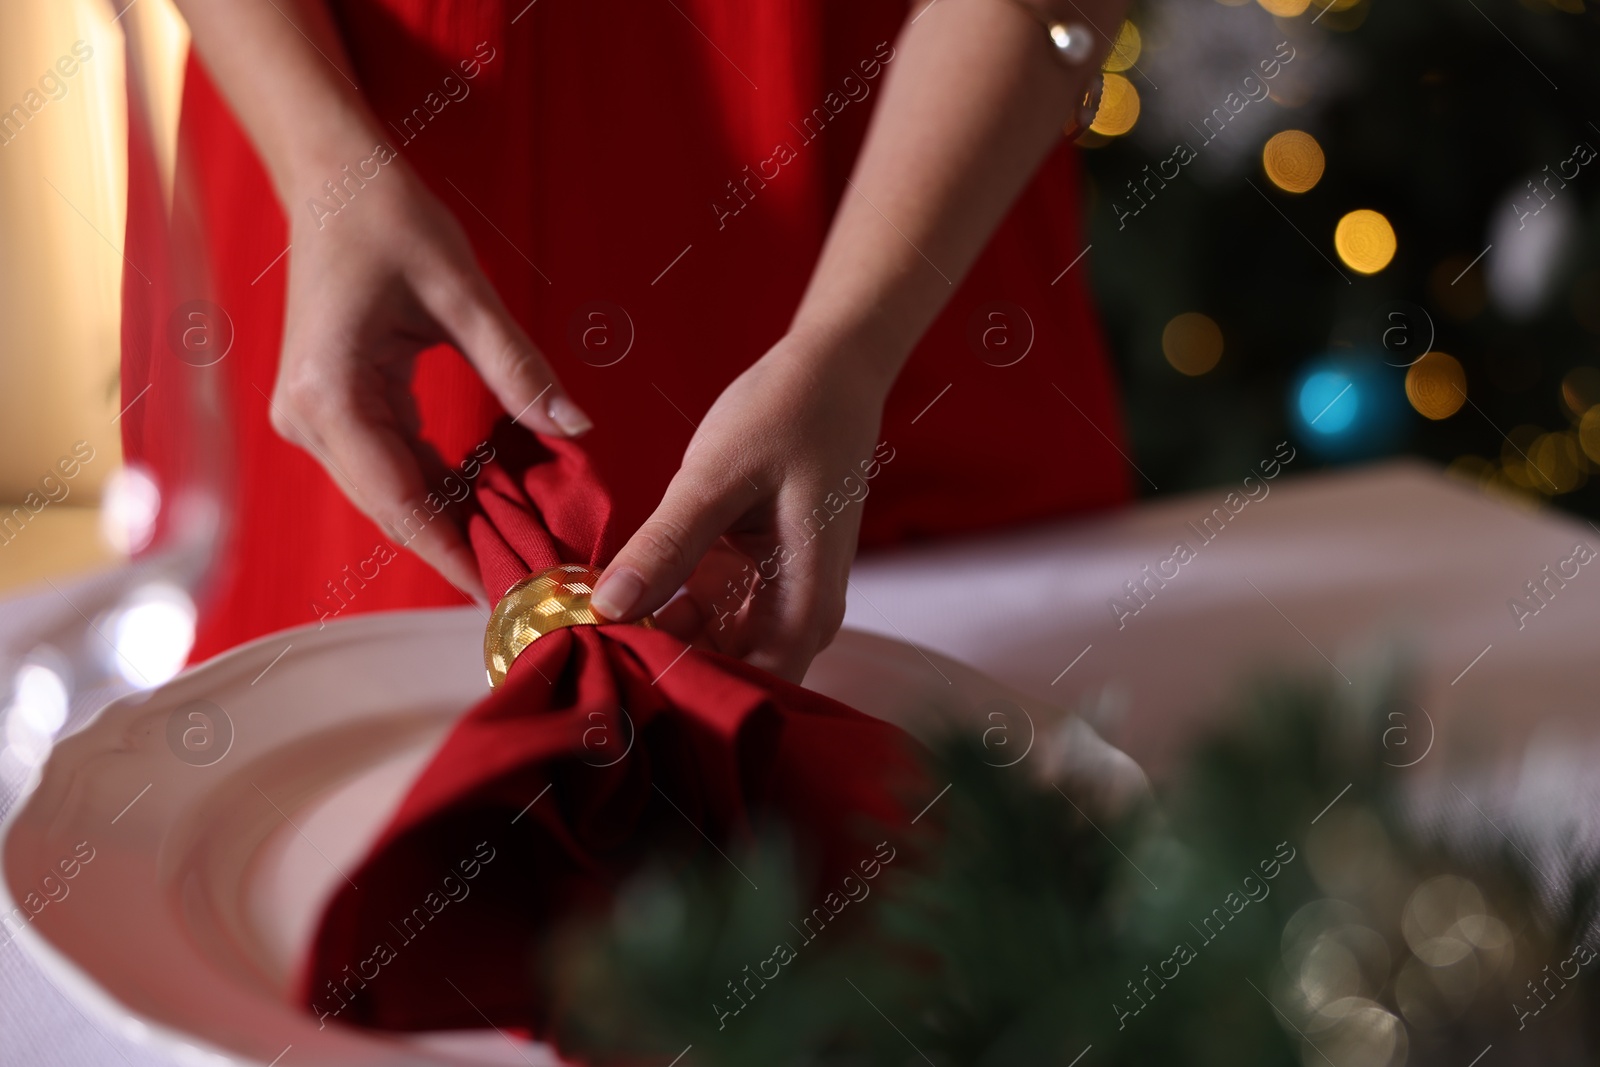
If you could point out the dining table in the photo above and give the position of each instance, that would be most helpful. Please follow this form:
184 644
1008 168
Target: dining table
1149 623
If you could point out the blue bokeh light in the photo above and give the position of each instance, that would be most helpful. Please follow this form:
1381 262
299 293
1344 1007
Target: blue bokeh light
1329 402
1348 405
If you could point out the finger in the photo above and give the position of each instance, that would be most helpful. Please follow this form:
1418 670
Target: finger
447 530
378 469
683 618
707 611
792 626
410 512
797 613
699 507
503 355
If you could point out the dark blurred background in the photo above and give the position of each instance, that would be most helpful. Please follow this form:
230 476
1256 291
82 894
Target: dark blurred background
1387 246
1457 135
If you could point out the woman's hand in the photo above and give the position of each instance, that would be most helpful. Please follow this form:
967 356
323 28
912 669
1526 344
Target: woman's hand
788 432
389 275
371 285
759 525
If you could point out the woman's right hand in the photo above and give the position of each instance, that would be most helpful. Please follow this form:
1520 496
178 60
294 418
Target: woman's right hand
370 287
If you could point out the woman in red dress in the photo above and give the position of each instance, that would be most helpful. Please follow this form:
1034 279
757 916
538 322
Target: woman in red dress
769 257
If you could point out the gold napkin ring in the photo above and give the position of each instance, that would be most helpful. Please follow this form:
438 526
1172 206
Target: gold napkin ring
535 606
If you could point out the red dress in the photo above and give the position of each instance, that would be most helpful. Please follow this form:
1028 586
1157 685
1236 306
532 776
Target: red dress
678 160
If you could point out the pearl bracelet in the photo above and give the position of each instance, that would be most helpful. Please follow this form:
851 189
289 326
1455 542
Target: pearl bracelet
1072 41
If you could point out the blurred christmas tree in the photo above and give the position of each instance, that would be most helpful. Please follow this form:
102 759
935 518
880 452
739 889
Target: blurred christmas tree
1415 174
1283 905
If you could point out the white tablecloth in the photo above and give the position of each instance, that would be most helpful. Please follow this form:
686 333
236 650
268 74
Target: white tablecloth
1326 575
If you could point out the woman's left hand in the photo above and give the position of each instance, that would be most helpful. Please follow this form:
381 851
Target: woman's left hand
759 525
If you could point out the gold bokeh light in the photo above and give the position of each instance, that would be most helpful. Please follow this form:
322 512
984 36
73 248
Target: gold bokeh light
1119 107
1365 241
1589 434
1286 9
1436 386
1192 343
1125 53
1293 161
1514 455
1558 462
1580 390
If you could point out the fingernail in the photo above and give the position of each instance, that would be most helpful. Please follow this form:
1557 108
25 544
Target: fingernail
616 595
569 416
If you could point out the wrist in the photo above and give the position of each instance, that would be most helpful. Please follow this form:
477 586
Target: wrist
863 356
312 159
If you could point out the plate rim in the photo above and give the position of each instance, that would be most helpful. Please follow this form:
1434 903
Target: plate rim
55 965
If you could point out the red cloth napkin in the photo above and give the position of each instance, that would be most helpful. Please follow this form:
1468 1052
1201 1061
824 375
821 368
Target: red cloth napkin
530 811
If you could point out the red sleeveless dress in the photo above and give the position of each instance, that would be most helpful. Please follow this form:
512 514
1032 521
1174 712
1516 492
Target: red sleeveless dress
651 176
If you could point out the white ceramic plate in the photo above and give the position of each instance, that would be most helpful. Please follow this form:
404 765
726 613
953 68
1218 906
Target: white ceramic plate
215 840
